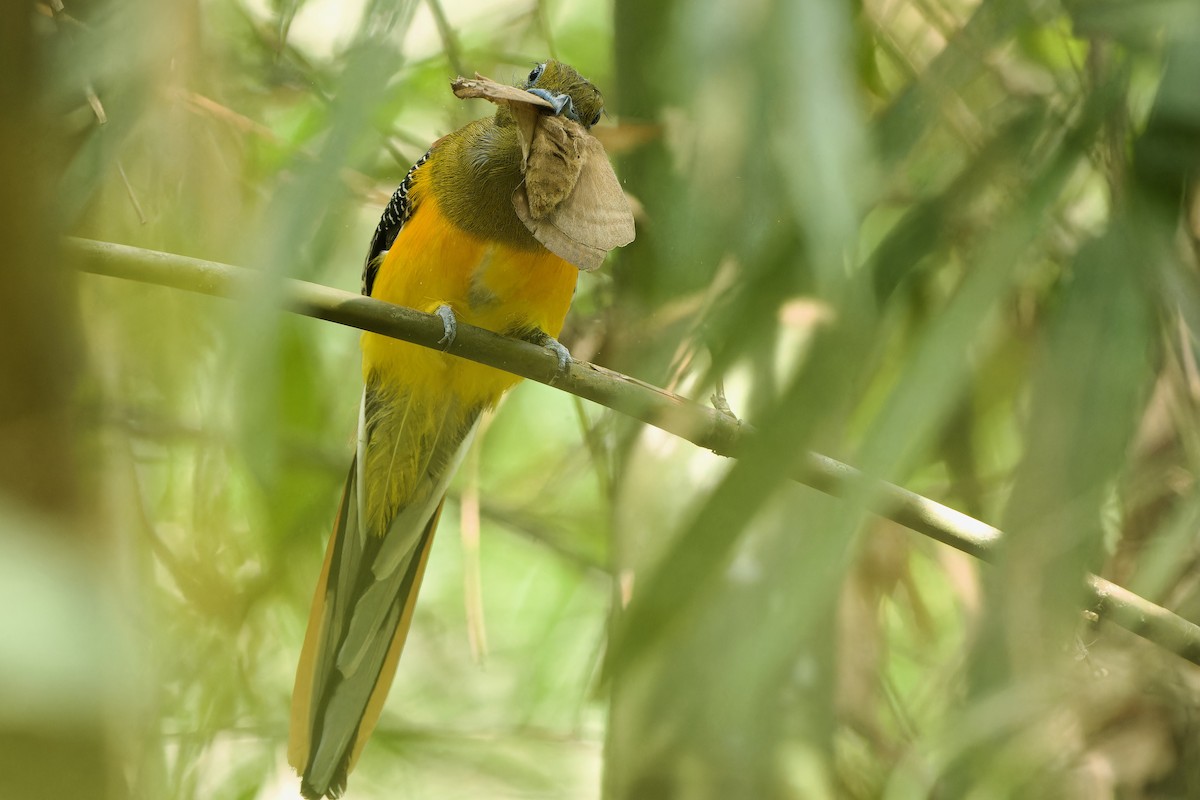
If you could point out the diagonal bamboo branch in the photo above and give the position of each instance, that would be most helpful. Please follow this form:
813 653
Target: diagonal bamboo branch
701 425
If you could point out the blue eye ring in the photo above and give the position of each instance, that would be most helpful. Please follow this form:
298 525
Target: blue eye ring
536 73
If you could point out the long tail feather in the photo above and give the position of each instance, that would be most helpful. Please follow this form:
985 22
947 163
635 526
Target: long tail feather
364 601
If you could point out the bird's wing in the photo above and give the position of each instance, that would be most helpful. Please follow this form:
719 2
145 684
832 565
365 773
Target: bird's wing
397 212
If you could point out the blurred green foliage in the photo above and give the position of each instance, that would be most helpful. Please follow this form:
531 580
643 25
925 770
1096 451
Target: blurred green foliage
952 243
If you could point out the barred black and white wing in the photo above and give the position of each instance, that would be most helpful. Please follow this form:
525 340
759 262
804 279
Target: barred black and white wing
398 211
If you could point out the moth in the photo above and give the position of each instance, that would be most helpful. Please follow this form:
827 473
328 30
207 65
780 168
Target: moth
570 199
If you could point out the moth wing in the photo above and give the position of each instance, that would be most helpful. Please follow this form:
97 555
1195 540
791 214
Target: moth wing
592 219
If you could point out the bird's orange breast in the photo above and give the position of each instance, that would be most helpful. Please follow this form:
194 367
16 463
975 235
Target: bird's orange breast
487 284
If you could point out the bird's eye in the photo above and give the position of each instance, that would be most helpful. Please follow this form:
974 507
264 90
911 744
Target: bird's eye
536 73
596 118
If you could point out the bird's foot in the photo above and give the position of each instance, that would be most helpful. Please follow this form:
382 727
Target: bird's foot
540 337
449 325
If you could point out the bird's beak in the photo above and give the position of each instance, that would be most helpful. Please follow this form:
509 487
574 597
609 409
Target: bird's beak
563 107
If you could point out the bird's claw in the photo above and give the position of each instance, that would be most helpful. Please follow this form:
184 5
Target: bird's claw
558 349
449 325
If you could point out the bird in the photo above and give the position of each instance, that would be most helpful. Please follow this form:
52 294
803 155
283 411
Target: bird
457 239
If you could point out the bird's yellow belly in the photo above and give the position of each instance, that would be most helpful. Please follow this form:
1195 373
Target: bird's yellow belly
487 284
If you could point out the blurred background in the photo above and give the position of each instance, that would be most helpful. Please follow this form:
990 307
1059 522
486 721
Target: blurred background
951 243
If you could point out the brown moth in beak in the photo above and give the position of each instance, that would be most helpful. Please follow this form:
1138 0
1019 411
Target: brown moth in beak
570 199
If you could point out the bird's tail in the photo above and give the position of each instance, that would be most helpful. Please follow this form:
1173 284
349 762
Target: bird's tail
364 600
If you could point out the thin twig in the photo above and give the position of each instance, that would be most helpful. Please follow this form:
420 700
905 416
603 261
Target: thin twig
520 523
137 207
703 426
597 452
543 22
469 529
62 19
449 38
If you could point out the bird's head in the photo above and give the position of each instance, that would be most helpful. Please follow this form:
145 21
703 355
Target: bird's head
568 91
